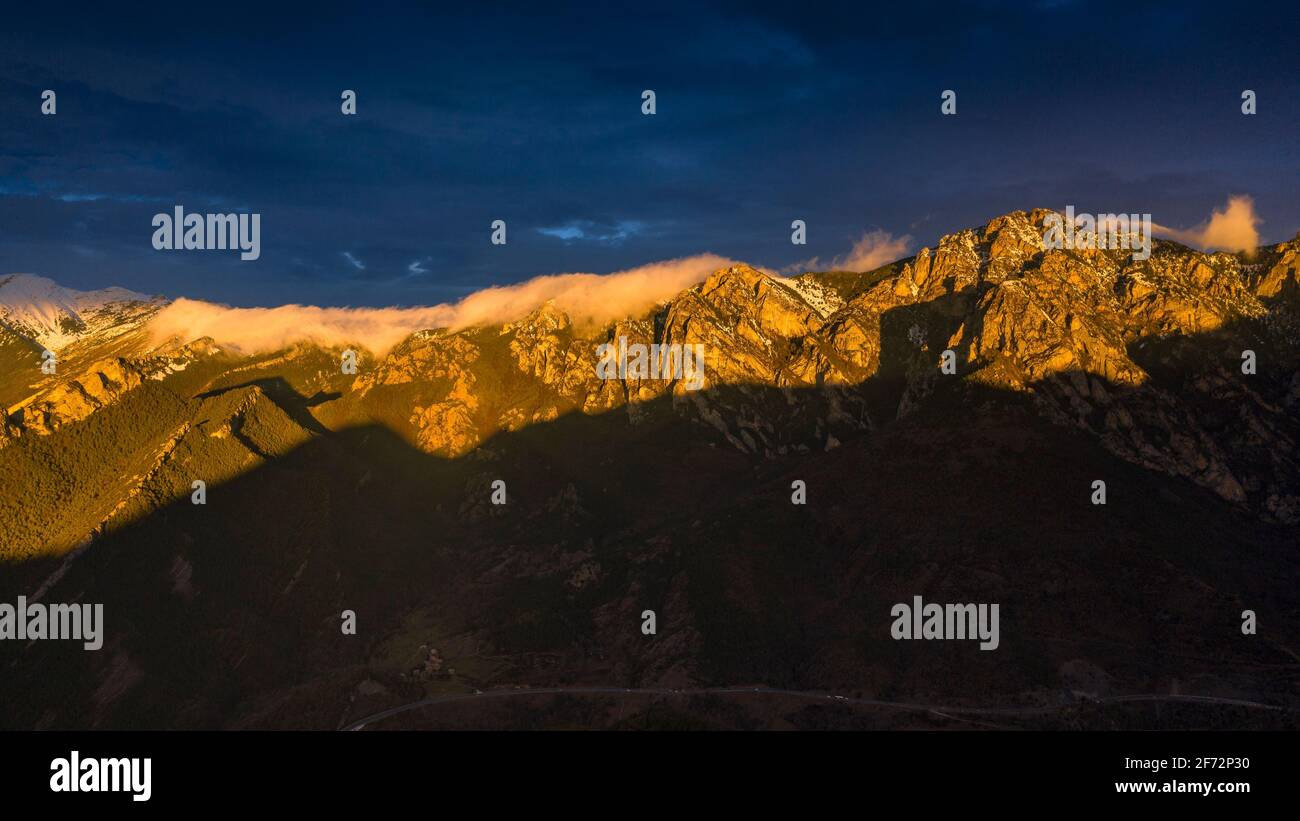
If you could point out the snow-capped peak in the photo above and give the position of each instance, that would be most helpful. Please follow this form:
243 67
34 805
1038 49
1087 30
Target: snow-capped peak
51 314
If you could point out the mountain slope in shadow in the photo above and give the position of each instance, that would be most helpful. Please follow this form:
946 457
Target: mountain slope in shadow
229 614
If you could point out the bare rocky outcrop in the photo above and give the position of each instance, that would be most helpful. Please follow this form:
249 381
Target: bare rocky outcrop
75 399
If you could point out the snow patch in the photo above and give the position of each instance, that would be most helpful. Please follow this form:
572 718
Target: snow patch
821 299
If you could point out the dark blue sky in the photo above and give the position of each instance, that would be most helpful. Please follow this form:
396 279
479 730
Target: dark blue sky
765 114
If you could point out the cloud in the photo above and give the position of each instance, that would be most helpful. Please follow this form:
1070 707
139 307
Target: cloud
1232 229
586 298
565 232
874 249
590 231
354 262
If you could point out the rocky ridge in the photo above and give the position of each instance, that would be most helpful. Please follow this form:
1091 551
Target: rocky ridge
1146 356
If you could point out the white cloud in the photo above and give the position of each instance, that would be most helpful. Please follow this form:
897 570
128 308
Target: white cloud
874 249
1232 229
584 297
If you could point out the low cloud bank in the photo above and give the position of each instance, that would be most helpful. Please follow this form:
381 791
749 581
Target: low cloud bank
1232 229
584 297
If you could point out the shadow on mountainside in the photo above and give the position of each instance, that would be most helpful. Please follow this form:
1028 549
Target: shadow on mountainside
297 406
228 614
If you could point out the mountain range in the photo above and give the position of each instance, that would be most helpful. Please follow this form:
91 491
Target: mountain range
1174 380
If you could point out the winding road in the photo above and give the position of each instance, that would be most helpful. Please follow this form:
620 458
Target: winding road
804 694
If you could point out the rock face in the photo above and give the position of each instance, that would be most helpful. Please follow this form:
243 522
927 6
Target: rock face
1134 352
77 398
97 383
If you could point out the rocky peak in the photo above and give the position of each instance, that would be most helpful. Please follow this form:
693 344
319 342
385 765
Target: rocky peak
547 318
